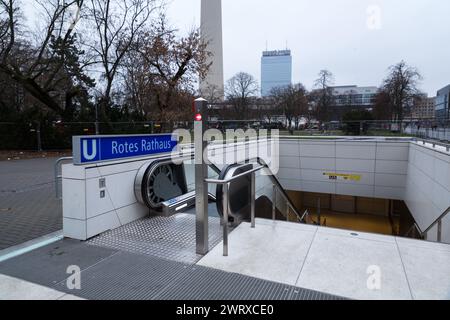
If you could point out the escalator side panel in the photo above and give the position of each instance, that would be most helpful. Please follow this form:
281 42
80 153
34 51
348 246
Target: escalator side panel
239 192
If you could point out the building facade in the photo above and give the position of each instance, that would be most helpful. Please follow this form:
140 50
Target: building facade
276 70
424 108
348 98
443 103
354 96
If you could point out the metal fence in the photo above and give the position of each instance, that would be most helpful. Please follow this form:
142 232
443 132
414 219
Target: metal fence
58 135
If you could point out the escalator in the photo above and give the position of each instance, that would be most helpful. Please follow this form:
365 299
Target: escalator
165 186
282 208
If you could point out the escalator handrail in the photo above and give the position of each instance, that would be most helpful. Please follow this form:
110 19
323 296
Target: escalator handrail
272 178
262 166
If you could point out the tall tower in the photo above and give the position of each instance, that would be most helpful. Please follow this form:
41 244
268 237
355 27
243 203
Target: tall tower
211 31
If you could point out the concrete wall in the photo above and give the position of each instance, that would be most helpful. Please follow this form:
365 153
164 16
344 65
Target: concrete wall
428 187
381 165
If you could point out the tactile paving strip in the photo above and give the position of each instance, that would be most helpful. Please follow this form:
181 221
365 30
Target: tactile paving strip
170 238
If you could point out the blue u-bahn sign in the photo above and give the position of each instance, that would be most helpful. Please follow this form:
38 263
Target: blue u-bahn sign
94 149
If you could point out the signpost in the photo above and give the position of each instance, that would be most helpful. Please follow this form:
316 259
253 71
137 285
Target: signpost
201 174
95 149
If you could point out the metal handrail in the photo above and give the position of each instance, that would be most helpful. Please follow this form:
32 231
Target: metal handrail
226 183
59 176
434 143
414 226
305 215
222 182
437 222
261 167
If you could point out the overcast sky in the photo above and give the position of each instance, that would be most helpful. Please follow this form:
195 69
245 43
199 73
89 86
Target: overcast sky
343 36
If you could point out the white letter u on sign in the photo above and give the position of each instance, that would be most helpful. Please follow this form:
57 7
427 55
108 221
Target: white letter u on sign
86 154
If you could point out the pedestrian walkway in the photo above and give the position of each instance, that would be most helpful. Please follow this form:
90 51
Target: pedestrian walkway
28 206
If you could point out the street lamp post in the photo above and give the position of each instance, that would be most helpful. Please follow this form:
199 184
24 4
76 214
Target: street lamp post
97 129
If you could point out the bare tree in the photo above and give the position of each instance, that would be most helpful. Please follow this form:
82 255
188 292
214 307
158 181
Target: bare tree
212 93
323 95
293 102
401 86
240 90
383 107
164 68
116 27
38 65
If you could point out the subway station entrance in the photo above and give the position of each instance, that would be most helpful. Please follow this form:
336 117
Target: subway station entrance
312 223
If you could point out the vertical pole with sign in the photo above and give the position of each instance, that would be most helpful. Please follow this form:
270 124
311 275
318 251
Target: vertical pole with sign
201 174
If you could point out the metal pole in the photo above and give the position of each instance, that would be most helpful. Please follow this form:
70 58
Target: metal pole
38 135
97 129
201 174
439 231
225 219
274 203
253 200
318 212
288 211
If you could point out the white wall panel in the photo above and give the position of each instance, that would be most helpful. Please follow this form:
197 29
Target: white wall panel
390 180
399 152
290 149
389 166
314 175
427 195
290 162
321 150
328 164
291 174
74 198
356 150
389 193
355 165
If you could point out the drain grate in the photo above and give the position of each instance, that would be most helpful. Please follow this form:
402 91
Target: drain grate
171 238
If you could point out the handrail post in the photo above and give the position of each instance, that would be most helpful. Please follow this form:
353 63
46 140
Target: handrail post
58 176
225 219
253 199
439 231
274 203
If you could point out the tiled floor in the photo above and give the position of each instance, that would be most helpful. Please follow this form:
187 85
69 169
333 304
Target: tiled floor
338 262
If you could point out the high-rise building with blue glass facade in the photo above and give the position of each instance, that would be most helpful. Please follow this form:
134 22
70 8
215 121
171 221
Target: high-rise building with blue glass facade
276 70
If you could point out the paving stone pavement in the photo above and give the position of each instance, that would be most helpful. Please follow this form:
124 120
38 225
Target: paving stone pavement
28 207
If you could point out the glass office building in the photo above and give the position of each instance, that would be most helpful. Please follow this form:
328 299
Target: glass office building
443 103
276 70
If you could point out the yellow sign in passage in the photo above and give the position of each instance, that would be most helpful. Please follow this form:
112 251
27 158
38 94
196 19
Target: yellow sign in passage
346 177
